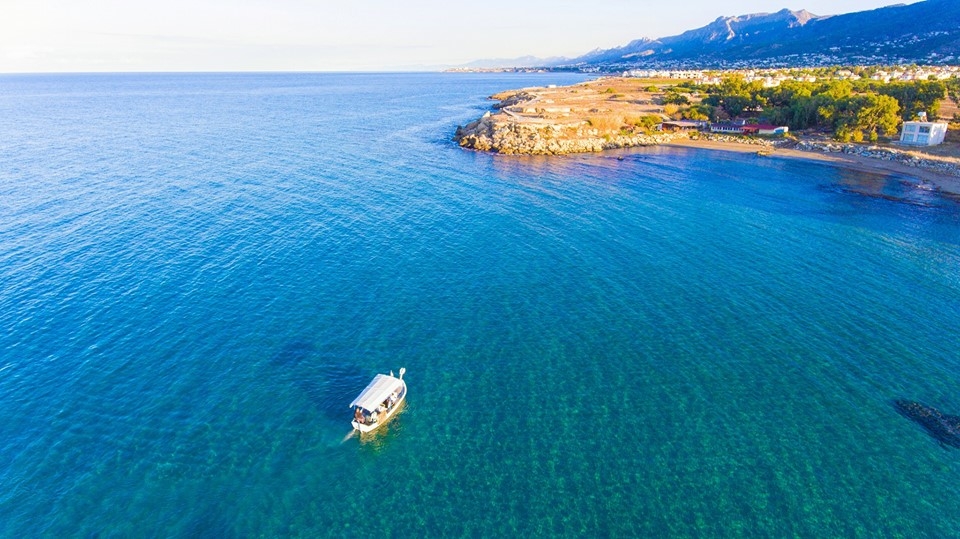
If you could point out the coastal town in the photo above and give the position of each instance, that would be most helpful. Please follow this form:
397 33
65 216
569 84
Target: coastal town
773 77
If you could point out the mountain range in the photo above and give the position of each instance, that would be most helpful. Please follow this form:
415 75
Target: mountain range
926 32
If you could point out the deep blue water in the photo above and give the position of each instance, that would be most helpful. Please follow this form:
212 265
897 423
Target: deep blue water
199 272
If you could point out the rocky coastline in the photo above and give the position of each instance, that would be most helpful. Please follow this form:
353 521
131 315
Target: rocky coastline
593 117
904 157
502 134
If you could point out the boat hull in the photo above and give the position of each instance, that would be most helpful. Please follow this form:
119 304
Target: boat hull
386 416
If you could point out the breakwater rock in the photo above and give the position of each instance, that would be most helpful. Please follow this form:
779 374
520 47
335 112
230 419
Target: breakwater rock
912 159
507 134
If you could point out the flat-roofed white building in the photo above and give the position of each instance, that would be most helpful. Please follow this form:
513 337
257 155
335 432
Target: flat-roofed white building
923 133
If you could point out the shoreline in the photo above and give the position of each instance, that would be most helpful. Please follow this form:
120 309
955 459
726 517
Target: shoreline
945 183
617 113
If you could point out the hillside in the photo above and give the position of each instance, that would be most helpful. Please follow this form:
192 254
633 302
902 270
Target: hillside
926 32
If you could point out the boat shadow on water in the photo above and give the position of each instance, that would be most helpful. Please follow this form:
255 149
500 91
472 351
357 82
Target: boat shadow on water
327 380
945 429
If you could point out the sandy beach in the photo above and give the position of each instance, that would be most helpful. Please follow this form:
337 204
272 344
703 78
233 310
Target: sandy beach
947 184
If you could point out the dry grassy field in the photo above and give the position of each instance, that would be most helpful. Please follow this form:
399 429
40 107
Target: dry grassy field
608 105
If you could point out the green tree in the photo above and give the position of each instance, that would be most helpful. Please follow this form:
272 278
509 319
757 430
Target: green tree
838 89
698 111
865 116
788 92
734 95
735 105
676 98
953 90
917 96
645 123
878 114
733 85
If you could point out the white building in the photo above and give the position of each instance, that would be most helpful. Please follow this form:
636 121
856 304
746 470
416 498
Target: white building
923 133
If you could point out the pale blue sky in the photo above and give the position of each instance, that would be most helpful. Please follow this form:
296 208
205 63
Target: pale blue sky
318 35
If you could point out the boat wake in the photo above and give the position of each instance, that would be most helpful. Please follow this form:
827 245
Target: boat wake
348 436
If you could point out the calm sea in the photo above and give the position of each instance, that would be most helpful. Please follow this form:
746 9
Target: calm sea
199 272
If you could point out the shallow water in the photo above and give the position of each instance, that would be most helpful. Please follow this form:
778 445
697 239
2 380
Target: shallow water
199 272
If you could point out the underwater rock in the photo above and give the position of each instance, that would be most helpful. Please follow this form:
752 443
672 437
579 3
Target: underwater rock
944 428
293 353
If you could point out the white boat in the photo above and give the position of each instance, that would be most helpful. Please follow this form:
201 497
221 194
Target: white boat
379 401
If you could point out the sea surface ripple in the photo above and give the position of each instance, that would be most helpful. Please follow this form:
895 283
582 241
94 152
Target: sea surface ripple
198 272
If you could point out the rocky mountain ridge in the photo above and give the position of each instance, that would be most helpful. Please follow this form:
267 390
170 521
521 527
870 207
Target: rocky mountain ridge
926 32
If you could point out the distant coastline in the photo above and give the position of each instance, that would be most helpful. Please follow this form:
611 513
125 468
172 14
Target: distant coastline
606 114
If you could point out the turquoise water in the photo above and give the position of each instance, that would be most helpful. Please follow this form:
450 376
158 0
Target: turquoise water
199 272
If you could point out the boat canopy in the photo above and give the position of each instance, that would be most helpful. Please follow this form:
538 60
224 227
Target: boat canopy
379 389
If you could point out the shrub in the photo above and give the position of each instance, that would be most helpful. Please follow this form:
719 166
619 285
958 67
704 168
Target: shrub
605 123
646 123
694 114
676 98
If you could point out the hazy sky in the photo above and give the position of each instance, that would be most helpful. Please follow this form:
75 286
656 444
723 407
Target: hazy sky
319 35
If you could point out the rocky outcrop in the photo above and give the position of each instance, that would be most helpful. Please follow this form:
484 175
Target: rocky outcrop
583 118
502 133
510 99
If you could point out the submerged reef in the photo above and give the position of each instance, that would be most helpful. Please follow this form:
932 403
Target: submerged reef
944 428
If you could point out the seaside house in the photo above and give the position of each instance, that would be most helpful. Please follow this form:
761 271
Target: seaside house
740 127
922 132
727 128
683 125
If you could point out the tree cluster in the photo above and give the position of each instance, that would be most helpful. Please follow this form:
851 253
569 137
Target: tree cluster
857 111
